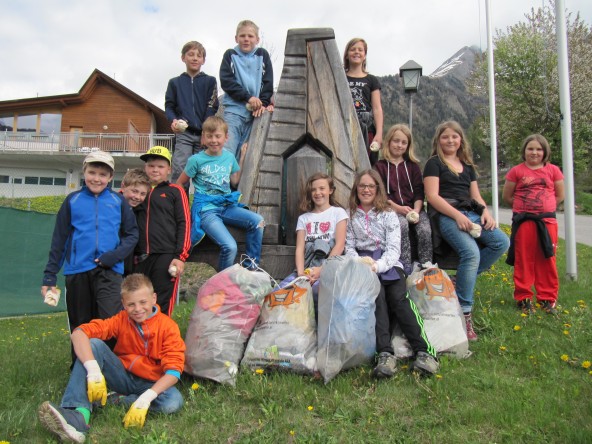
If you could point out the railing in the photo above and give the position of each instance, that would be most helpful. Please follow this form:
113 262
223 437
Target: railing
83 142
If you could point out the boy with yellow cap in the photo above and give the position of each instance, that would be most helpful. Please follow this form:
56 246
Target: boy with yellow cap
163 222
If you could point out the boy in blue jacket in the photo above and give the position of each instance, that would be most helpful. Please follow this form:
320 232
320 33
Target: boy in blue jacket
190 99
95 230
246 76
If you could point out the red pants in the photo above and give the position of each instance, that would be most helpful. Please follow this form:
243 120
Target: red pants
531 267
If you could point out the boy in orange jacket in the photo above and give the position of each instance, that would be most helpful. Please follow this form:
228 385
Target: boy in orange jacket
143 368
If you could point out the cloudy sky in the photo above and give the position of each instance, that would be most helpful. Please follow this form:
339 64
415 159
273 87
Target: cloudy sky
50 47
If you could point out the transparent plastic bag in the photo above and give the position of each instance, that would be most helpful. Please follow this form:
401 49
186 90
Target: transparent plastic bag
347 301
226 310
433 293
285 337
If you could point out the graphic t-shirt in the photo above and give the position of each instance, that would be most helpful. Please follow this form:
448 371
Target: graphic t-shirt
535 189
361 90
211 174
321 225
451 186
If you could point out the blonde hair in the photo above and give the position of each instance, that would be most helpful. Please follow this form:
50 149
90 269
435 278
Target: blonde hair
214 123
135 177
135 282
380 200
247 24
193 45
306 203
351 43
409 153
464 153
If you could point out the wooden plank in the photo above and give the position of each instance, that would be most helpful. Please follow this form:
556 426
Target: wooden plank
287 115
297 38
255 151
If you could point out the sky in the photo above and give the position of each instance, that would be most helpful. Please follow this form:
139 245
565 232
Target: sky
50 47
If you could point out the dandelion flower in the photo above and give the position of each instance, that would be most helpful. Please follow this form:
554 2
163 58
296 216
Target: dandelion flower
194 386
310 408
566 312
566 332
567 325
586 364
502 302
564 358
292 432
259 371
439 376
502 348
523 315
517 328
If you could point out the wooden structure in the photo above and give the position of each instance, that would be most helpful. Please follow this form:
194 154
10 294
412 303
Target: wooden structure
314 128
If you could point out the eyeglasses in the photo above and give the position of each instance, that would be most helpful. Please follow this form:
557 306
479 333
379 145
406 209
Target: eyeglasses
370 186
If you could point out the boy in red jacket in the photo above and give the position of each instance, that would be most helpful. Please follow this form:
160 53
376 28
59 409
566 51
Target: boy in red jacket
143 368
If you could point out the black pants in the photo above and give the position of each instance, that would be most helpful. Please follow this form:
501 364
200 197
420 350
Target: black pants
94 294
393 306
156 267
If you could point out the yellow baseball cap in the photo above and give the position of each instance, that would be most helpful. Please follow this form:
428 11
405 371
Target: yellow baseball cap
157 151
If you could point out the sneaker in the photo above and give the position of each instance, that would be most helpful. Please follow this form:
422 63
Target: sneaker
549 307
68 424
386 366
525 305
471 335
426 363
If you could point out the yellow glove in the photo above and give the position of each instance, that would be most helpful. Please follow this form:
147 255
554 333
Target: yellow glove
96 387
136 415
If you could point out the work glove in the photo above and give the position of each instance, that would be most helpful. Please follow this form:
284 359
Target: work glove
136 415
96 387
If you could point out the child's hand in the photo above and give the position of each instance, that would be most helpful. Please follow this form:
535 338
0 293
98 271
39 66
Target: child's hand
136 415
270 107
96 387
45 289
313 274
487 220
463 222
179 264
254 103
243 150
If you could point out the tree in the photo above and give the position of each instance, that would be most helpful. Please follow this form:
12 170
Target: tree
527 86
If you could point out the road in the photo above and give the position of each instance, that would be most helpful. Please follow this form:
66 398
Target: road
583 225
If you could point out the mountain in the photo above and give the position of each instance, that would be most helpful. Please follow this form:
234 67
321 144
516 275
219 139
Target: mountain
441 96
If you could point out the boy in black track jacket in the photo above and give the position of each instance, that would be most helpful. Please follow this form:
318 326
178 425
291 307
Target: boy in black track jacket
164 223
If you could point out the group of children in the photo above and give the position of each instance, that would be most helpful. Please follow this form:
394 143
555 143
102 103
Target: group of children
146 232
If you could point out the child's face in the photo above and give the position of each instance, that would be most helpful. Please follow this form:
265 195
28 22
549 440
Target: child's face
449 141
96 178
138 304
366 191
194 60
247 39
157 169
356 54
534 153
214 142
398 145
320 193
134 194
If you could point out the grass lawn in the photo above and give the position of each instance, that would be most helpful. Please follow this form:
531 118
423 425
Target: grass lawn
529 380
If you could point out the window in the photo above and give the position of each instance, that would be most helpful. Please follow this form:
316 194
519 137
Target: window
6 123
46 181
116 184
30 180
50 124
17 180
4 179
61 181
26 124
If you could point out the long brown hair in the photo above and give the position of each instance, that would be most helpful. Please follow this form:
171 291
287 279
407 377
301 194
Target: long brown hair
464 153
306 203
380 200
351 43
540 139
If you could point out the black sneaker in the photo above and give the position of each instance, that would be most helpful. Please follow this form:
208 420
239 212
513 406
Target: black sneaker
525 305
67 424
426 364
386 365
549 307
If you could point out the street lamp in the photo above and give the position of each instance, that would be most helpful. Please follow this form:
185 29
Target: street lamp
410 72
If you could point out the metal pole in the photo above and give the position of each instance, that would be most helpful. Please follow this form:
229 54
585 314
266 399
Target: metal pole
566 142
411 111
492 121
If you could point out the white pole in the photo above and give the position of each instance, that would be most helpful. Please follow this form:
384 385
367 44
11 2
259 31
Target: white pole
566 142
492 121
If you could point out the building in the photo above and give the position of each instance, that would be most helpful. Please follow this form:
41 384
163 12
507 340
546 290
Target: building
43 140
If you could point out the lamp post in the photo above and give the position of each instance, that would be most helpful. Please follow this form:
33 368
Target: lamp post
410 72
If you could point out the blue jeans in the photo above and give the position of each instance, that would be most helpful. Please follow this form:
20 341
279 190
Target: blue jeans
186 145
239 131
119 380
214 222
473 260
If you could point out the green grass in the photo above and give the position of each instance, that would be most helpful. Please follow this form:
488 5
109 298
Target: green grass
514 388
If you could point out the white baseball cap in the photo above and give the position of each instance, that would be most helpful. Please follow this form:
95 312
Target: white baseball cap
101 157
